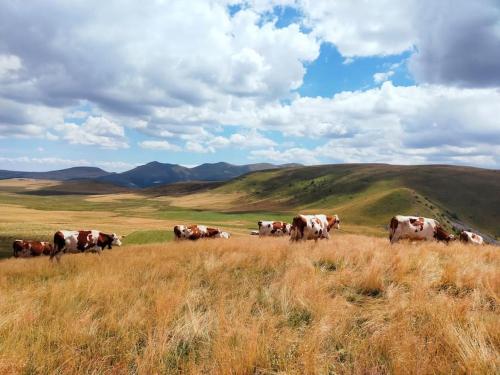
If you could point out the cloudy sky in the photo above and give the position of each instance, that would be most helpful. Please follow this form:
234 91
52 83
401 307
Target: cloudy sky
120 83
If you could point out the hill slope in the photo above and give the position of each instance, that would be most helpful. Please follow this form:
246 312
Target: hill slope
61 174
372 193
155 173
150 174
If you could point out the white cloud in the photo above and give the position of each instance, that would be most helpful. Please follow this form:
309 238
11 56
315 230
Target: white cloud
198 148
382 76
9 65
25 163
159 145
151 68
361 27
248 139
292 155
214 58
97 131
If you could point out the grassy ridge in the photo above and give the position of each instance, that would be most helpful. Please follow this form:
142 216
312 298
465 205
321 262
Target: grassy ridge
446 192
353 304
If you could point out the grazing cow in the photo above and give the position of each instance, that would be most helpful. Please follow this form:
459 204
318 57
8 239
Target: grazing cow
24 249
273 228
313 227
470 237
76 241
417 228
195 232
223 234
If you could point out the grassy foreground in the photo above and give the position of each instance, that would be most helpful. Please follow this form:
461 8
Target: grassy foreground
353 304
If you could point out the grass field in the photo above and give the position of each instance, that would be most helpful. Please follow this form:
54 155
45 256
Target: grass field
353 304
143 218
246 305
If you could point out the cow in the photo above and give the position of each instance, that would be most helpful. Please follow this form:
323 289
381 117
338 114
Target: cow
76 241
195 232
25 248
223 234
313 227
417 228
471 238
273 228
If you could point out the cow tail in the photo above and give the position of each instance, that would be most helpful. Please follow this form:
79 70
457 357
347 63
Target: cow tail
392 227
177 232
58 245
15 249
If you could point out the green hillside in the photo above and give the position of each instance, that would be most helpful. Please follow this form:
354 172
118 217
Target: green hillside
369 194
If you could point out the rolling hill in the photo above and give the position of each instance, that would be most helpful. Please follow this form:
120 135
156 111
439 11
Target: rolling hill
366 196
60 175
150 174
369 194
156 173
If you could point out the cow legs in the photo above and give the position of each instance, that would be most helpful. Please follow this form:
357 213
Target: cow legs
57 253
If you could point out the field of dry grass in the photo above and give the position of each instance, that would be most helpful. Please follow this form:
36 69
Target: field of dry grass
353 304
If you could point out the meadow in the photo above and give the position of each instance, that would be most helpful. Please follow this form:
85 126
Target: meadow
350 305
353 304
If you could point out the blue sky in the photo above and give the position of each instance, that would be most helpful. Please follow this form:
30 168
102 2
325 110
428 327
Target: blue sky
190 82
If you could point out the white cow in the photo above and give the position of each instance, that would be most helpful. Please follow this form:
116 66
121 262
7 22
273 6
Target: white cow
470 237
273 228
222 234
75 241
309 227
195 232
417 228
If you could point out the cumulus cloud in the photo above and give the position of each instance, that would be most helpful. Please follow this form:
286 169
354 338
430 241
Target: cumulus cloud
382 76
216 56
458 43
159 145
9 65
97 131
361 28
296 154
45 163
416 124
229 80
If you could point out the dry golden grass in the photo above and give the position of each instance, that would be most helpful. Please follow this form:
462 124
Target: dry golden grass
353 304
207 200
27 184
104 198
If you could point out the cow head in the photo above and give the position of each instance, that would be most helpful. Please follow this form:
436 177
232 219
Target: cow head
287 228
178 231
224 235
441 235
115 240
333 222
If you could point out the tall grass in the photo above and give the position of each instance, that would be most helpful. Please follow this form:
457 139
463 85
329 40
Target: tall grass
353 304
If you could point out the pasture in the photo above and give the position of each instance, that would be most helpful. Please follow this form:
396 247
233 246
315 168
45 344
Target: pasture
248 305
36 209
353 304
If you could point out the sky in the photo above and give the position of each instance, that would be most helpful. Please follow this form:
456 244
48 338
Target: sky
120 83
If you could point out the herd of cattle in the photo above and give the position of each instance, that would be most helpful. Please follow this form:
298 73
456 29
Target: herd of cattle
302 228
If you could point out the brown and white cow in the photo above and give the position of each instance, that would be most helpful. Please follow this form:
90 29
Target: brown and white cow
273 228
25 249
471 238
417 228
77 241
313 227
195 232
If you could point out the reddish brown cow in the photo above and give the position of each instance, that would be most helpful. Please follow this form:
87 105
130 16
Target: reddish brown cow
24 249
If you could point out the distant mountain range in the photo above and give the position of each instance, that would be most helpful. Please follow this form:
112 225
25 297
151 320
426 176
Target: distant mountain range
150 174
